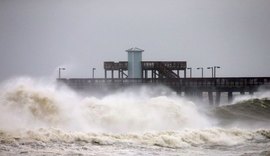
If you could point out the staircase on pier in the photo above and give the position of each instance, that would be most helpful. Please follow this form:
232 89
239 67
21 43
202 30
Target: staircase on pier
164 71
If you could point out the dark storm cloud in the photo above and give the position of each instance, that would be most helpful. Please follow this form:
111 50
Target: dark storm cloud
37 36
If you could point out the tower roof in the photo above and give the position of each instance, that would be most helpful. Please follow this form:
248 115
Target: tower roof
134 49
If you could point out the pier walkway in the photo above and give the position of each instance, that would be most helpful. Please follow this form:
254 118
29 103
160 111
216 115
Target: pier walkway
187 86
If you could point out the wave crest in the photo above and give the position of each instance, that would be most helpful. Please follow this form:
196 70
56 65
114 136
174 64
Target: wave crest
40 105
170 139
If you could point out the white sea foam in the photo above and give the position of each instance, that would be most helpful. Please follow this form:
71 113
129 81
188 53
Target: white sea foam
172 139
38 117
26 103
261 94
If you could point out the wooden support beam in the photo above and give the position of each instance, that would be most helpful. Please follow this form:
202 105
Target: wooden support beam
210 97
199 94
145 74
218 95
230 97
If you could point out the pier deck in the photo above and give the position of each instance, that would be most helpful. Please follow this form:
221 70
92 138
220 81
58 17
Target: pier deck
188 86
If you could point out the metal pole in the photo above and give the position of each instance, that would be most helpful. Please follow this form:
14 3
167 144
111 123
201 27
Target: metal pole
93 72
212 70
202 72
59 72
215 68
201 69
190 72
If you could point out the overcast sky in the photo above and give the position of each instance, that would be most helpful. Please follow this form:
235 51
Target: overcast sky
38 36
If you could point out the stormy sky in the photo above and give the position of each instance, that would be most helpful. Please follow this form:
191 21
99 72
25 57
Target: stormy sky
38 36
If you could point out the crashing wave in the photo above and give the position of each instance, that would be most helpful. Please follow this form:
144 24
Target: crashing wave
170 139
256 110
36 116
27 104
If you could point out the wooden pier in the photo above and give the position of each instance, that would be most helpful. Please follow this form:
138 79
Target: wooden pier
171 74
193 87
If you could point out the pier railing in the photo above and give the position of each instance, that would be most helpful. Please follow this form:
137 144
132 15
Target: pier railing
188 86
180 83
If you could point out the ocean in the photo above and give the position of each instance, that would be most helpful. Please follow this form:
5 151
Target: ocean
38 117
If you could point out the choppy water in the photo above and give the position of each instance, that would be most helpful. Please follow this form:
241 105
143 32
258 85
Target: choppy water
40 118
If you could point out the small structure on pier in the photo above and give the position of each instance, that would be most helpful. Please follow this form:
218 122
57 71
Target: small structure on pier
134 62
136 68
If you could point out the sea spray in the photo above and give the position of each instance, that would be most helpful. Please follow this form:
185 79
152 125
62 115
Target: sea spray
34 105
45 119
261 94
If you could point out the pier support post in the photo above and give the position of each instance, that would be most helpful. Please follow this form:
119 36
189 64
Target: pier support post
210 97
242 93
217 98
199 94
105 74
179 92
112 74
230 97
251 93
145 74
187 93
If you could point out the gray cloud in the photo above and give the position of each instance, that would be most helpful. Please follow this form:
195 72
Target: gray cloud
38 36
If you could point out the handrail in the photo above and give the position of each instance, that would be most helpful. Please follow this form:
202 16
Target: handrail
188 82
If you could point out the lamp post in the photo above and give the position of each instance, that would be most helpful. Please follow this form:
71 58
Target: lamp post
212 68
201 69
93 72
59 72
190 71
215 68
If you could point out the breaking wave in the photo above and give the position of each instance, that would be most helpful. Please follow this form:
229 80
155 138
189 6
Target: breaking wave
29 104
34 112
251 112
170 139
